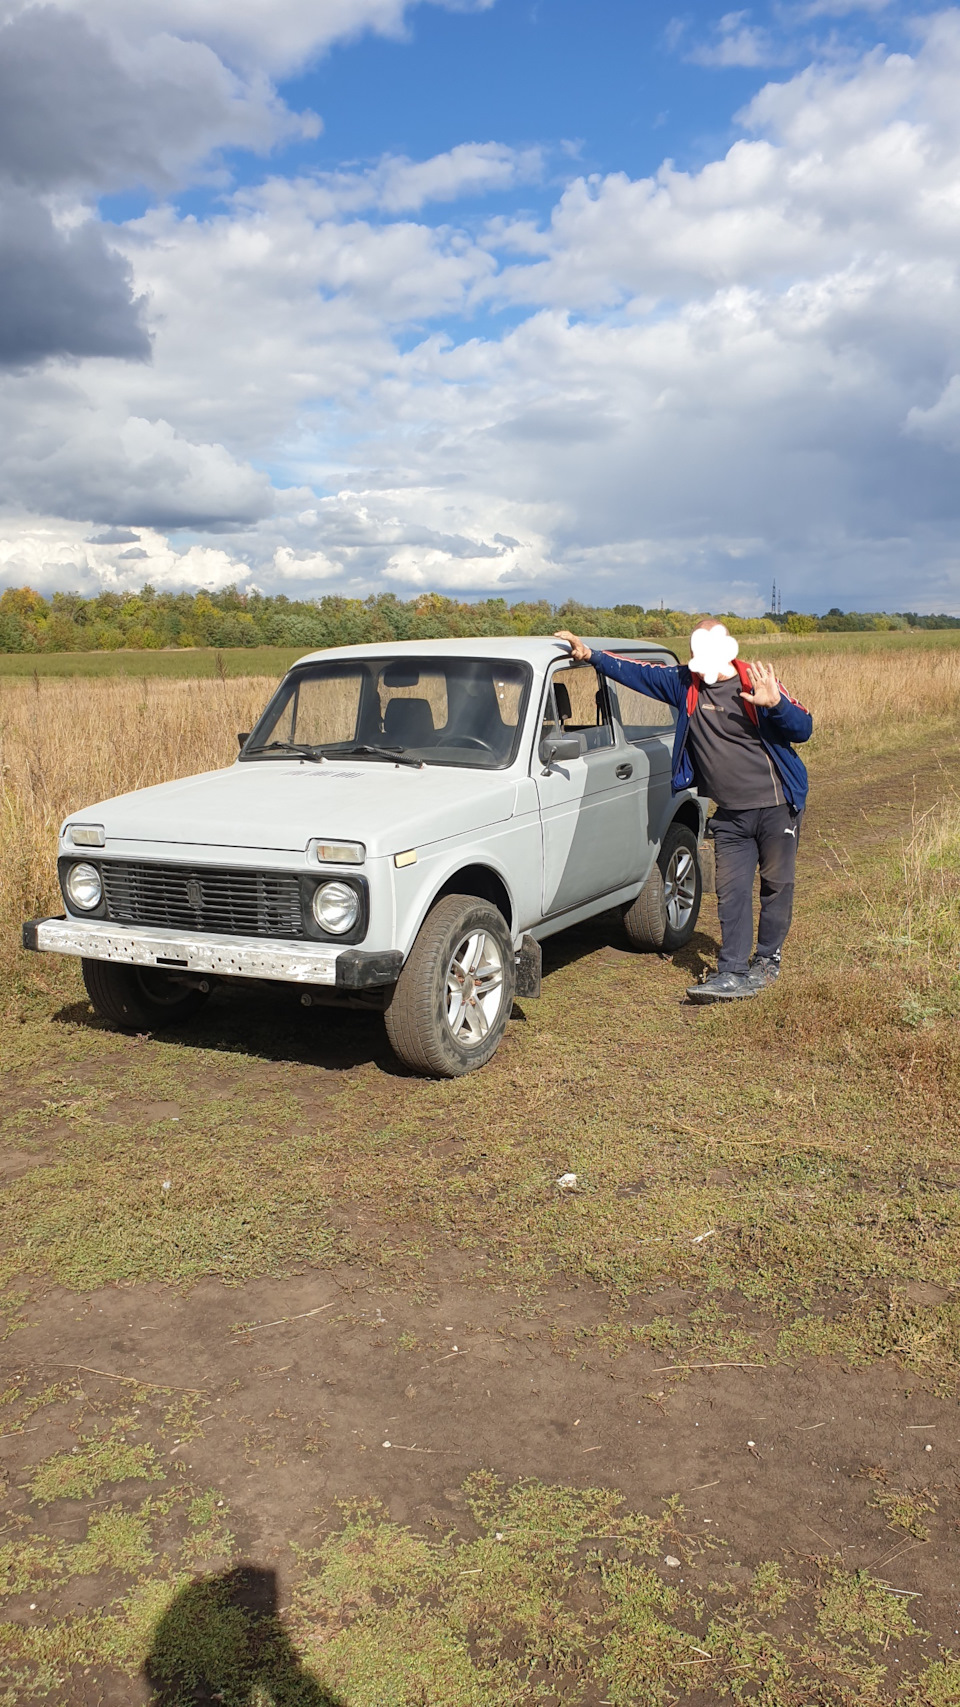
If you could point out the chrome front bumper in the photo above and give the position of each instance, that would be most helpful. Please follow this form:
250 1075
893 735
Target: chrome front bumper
222 956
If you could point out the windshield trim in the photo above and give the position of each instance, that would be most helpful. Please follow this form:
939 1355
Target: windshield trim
333 751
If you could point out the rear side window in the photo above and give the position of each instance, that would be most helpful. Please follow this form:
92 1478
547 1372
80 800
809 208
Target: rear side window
641 716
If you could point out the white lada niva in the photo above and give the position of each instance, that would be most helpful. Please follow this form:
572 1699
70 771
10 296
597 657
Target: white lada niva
402 829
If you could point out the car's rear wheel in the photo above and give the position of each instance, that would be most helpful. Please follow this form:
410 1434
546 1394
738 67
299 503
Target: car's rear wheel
453 998
664 914
138 998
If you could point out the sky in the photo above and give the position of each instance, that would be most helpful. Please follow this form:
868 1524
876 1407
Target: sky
613 300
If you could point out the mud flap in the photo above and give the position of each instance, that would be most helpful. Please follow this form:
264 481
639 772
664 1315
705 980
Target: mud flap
529 964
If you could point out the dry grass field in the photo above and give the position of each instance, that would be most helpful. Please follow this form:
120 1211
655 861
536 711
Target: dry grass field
688 1434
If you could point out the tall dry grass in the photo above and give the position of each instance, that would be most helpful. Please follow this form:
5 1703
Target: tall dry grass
67 743
913 907
865 697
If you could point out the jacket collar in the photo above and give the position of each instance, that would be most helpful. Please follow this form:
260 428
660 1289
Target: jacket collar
696 683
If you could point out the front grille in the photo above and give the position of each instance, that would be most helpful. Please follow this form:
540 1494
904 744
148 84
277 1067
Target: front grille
201 898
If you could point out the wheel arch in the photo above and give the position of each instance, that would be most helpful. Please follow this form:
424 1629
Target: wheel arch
480 880
690 813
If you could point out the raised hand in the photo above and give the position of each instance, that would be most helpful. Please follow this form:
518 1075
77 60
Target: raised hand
763 681
578 648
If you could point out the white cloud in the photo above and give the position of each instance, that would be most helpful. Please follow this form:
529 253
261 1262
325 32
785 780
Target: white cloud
280 36
53 557
94 112
735 42
398 185
63 455
705 378
310 567
841 8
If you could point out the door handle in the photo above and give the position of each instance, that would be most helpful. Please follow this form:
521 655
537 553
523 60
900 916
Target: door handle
624 771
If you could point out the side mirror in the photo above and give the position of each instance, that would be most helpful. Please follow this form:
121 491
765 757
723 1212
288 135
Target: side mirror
242 738
556 747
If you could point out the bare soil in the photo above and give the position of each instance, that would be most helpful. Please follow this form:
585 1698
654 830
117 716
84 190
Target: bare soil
314 1402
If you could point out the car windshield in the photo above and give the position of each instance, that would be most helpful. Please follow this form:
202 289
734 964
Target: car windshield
434 711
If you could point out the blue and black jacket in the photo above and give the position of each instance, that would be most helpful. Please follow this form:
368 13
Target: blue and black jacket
777 725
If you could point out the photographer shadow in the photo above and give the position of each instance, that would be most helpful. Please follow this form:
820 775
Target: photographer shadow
221 1640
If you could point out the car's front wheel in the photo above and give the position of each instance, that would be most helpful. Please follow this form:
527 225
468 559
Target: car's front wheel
664 914
138 998
453 998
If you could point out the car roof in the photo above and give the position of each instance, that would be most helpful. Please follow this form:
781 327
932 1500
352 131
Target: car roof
537 649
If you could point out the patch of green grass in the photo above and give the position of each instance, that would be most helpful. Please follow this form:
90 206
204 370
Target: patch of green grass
853 1604
117 1540
208 1535
564 1594
770 1589
182 663
192 661
906 1511
939 1686
141 1557
547 1593
214 1215
93 1463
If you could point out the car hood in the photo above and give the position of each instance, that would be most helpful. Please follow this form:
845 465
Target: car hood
278 805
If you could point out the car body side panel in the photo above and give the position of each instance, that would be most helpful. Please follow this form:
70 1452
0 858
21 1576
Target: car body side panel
590 823
655 803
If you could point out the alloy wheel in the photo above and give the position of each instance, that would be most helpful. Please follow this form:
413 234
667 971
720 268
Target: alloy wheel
680 888
474 987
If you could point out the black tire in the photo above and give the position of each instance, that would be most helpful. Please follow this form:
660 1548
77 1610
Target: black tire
138 998
418 1016
651 921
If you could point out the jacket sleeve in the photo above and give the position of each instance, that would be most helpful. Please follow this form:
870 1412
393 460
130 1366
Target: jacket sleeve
657 681
790 720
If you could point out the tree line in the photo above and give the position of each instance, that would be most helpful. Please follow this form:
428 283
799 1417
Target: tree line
152 620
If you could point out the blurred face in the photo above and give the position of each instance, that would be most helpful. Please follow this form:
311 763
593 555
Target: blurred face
712 651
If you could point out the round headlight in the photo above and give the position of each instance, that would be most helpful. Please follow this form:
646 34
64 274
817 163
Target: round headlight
336 907
83 886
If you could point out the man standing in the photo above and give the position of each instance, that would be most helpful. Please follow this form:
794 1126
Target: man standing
735 726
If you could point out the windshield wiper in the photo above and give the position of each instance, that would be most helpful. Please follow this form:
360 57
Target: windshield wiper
290 747
396 755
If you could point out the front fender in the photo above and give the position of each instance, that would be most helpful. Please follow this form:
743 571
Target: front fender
512 852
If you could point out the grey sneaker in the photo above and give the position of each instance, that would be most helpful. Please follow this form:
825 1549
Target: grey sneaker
723 987
763 970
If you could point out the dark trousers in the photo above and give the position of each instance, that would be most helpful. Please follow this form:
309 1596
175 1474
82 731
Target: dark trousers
764 835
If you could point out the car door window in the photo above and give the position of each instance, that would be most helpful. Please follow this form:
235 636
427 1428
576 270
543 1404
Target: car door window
641 717
577 704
